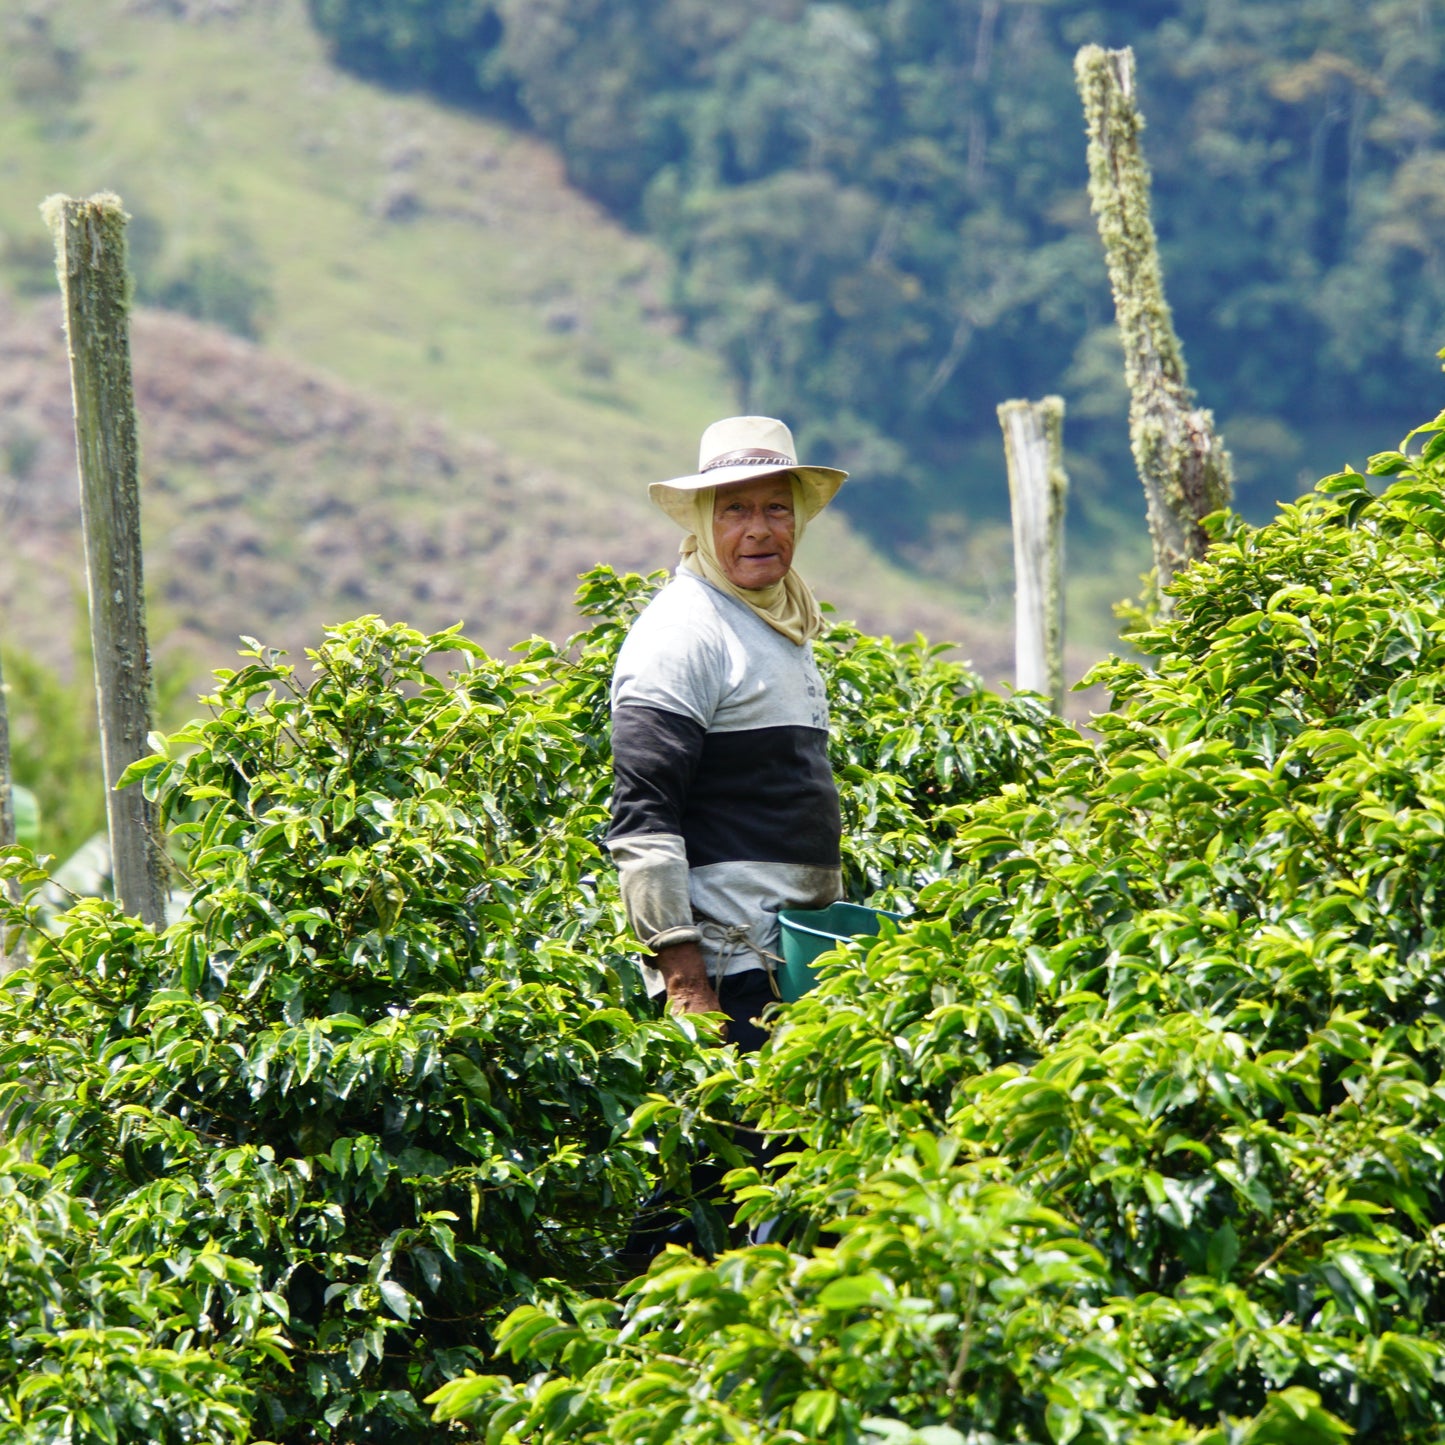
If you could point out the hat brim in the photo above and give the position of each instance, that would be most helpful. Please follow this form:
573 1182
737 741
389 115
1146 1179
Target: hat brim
820 486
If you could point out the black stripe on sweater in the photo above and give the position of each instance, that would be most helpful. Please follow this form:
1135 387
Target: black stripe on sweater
654 756
763 795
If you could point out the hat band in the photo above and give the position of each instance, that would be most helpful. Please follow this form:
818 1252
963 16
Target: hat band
749 458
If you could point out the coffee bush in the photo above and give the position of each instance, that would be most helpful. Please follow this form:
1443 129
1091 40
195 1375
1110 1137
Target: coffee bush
1135 1131
277 1171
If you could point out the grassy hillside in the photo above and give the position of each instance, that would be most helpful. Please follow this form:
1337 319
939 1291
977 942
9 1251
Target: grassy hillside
279 499
430 258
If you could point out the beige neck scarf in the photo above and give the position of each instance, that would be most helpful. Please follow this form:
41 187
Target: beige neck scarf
787 606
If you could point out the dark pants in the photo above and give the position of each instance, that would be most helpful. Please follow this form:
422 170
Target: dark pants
743 997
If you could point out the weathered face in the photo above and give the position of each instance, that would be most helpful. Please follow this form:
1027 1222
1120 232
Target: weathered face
752 531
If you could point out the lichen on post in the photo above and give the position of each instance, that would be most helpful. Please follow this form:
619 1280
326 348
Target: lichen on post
91 267
1181 459
1033 434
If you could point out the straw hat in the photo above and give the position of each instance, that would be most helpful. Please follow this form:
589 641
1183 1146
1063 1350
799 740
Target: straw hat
738 449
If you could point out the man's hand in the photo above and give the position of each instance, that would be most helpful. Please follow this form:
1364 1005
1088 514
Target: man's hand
689 990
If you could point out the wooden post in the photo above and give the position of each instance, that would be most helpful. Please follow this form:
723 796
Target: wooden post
1181 459
1033 438
90 263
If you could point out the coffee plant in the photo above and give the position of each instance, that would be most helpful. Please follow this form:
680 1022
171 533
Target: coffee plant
1134 1131
278 1171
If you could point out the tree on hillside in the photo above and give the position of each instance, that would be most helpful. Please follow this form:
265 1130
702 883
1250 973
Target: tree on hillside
878 207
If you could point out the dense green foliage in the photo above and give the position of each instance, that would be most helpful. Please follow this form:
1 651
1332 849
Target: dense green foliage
1133 1132
1136 1132
878 206
277 1171
55 751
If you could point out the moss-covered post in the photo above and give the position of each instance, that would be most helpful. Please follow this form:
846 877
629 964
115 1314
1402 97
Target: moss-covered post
90 263
1033 441
1181 458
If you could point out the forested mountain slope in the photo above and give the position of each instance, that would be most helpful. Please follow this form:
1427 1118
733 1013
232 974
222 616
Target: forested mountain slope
878 210
358 245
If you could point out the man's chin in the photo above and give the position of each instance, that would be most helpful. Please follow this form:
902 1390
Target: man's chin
754 578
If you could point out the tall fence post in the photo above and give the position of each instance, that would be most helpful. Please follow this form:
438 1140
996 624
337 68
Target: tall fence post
1181 459
1033 438
91 266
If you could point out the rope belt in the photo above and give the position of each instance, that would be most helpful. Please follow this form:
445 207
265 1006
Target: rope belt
730 939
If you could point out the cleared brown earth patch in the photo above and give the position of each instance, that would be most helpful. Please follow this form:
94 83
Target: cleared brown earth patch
278 500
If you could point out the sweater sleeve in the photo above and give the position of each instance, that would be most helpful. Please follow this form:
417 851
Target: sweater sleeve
655 754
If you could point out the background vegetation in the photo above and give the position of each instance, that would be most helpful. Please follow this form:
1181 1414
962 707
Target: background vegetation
430 253
456 374
1131 1131
441 323
878 214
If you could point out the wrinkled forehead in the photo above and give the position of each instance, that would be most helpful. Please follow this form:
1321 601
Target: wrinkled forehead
782 487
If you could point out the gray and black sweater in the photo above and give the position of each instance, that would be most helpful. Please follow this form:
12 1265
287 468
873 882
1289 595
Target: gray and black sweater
724 809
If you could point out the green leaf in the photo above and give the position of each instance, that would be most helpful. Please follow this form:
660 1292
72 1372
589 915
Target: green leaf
1223 1251
1062 1417
814 1411
853 1292
396 1299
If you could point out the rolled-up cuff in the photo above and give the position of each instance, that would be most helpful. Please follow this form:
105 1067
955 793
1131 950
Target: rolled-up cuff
653 874
670 938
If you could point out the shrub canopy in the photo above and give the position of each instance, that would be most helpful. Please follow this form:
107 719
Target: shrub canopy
276 1172
1132 1131
1136 1132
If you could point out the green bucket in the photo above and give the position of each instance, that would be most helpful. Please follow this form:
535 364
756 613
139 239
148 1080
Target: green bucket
807 932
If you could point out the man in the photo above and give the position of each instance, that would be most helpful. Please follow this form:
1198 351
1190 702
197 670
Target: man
724 809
